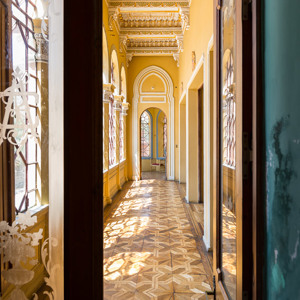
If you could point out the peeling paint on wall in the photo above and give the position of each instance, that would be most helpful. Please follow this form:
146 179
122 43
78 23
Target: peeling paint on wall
282 141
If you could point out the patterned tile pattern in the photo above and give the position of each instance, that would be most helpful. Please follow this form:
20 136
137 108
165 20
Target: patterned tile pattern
150 250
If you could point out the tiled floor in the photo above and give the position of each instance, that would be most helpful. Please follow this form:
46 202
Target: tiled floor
151 248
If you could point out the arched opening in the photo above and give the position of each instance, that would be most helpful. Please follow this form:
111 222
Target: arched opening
105 58
114 72
123 90
153 88
153 143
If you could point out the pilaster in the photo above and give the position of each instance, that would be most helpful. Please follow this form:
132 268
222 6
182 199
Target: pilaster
41 58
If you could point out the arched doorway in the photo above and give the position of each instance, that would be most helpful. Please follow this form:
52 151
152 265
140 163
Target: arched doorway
153 87
153 143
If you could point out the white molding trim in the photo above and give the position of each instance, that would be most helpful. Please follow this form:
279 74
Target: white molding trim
182 96
207 236
155 70
196 71
142 97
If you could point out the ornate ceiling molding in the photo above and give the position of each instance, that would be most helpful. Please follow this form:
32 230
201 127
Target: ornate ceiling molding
150 28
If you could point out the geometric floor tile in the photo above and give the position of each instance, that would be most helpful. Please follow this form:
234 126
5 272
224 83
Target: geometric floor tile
150 248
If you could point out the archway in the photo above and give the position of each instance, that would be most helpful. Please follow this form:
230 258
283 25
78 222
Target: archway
105 58
114 71
153 87
153 143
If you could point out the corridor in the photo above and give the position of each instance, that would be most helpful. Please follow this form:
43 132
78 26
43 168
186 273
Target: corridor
152 246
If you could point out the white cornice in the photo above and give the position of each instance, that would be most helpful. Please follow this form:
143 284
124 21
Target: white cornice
149 28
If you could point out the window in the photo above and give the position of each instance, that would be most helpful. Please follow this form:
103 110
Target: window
165 136
145 134
23 57
121 137
112 134
229 114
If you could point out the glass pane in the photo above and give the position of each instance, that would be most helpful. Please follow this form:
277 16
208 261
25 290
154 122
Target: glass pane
32 199
31 177
21 3
31 88
18 49
31 150
20 180
31 13
31 62
228 138
18 14
31 40
26 87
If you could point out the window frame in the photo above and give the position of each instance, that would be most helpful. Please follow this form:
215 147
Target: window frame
25 31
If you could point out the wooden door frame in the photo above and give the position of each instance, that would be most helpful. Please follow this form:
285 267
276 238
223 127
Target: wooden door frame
259 203
244 128
83 157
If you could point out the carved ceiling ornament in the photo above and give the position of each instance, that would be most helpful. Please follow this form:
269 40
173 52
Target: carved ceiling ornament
150 28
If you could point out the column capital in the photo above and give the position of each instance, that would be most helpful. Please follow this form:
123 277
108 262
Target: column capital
42 48
108 92
125 107
118 102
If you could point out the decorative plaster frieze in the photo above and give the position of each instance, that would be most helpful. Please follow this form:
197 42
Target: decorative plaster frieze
149 28
125 107
108 92
128 58
176 58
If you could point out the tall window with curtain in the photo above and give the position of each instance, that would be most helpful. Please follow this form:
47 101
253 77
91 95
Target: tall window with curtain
145 134
23 57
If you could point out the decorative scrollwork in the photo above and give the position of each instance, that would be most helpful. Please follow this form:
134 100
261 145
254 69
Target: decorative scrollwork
18 123
17 247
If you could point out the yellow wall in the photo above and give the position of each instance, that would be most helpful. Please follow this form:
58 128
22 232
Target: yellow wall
113 39
135 67
196 38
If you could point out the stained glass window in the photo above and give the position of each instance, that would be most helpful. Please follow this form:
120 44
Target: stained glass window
145 134
121 137
165 136
229 114
23 57
112 134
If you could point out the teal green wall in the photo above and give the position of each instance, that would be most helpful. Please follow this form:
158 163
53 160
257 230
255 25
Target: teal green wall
282 138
